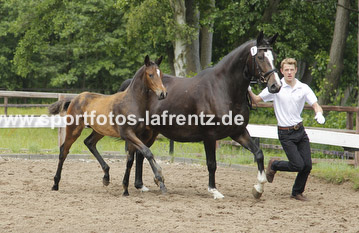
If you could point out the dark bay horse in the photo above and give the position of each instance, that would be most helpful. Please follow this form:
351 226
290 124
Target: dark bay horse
214 92
108 115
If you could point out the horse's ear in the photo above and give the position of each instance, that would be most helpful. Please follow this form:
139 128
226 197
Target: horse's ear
147 61
273 38
159 60
260 38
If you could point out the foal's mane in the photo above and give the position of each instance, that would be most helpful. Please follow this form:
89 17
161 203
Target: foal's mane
138 74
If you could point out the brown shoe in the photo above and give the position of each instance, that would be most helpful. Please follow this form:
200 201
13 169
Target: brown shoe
299 197
269 172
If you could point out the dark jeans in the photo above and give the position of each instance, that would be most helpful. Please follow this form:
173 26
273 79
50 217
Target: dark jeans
296 145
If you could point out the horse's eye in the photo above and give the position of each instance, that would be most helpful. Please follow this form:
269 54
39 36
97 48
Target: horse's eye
151 75
260 57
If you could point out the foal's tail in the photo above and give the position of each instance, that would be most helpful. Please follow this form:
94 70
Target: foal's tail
59 106
125 84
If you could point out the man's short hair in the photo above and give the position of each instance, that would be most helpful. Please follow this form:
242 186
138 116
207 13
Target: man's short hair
289 61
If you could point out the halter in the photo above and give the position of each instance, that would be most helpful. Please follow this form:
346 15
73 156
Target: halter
262 76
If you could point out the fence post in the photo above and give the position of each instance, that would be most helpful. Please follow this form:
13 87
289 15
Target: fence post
349 120
61 130
6 100
172 146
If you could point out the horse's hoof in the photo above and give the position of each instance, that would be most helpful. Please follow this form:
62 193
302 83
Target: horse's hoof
161 184
105 181
138 185
55 188
216 194
256 194
125 194
163 188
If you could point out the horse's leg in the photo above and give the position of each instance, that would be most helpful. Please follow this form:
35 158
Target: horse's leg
130 159
138 174
72 133
91 142
210 148
131 150
139 162
143 149
139 168
246 141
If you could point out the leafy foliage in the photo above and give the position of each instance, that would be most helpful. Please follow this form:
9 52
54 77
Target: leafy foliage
304 28
72 44
97 44
235 23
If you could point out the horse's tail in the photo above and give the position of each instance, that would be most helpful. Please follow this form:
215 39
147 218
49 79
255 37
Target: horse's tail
124 85
59 106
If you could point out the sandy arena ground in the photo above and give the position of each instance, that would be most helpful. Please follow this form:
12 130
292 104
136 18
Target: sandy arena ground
83 204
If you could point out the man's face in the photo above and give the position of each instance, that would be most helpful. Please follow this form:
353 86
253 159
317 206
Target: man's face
289 72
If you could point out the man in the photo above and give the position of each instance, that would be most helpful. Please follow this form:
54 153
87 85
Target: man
288 106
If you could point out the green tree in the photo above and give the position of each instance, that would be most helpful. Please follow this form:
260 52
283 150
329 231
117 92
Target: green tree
78 44
336 58
8 77
175 28
97 44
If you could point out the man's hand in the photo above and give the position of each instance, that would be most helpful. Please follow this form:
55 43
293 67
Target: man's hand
320 118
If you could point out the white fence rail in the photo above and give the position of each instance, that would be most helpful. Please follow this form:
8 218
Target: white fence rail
320 136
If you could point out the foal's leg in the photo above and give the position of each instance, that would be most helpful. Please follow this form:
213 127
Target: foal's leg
246 141
72 133
210 148
91 142
143 149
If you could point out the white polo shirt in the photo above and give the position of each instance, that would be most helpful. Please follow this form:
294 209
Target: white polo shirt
289 102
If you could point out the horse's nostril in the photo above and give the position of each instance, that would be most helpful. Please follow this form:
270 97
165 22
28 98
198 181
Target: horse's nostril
274 88
162 95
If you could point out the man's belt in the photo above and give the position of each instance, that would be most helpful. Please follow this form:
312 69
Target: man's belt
295 127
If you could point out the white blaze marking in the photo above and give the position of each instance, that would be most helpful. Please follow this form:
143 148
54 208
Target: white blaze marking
269 55
277 79
158 72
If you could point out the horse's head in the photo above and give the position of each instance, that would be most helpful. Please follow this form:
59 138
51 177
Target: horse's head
262 63
153 76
